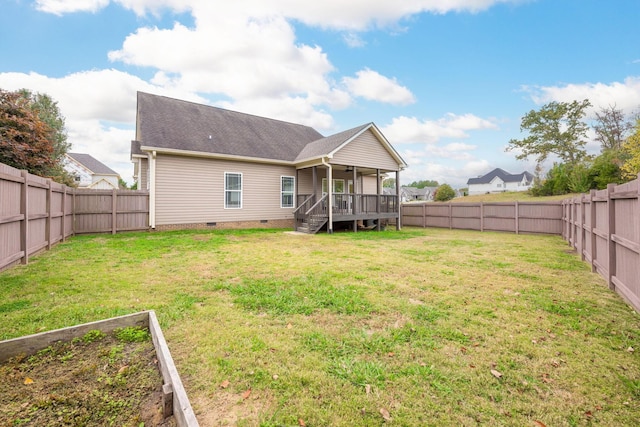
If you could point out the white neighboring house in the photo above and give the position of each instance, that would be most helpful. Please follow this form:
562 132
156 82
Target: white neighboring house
91 173
498 181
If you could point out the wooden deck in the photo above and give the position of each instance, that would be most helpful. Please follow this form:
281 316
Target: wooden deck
311 214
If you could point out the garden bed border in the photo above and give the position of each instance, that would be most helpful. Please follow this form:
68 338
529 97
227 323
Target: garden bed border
175 400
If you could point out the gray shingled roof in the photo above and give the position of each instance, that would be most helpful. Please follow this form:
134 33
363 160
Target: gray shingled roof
326 145
503 175
92 164
175 124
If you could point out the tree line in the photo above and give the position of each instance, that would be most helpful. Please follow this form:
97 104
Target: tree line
559 130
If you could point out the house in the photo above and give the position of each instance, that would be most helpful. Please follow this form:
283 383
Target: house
88 172
414 194
209 167
498 181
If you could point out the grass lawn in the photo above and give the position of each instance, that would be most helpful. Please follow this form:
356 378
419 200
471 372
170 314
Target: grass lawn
417 327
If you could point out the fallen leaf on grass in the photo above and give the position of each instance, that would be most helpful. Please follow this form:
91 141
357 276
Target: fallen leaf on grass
496 374
28 380
289 326
224 384
246 394
123 369
385 414
631 350
301 422
367 388
540 423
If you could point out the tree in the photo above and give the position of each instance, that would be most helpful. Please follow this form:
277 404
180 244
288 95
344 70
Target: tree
444 193
32 134
606 169
389 183
611 128
631 148
424 183
25 139
556 129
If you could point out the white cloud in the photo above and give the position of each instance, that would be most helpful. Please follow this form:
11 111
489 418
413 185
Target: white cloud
373 86
61 7
410 129
422 167
353 39
624 95
357 15
99 109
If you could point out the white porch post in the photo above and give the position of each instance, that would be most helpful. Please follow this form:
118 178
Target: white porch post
399 218
378 197
330 197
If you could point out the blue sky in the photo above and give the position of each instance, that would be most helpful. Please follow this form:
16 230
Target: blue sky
447 82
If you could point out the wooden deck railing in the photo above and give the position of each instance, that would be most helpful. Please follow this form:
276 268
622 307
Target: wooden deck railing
356 204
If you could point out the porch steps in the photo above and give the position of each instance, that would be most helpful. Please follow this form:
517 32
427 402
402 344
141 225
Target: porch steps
312 225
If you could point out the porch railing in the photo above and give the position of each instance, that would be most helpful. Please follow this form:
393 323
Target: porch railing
356 204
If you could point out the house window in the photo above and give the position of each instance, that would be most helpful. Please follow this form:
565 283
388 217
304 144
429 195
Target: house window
287 189
499 185
338 186
232 190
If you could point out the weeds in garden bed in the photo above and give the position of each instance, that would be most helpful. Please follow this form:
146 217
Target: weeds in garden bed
95 380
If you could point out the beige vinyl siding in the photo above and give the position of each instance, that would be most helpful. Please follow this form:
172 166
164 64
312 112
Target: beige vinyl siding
143 175
191 190
305 181
369 185
366 151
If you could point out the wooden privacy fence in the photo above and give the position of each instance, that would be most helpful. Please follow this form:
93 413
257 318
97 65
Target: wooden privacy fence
36 213
514 217
604 227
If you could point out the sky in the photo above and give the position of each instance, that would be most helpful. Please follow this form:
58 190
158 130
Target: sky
446 81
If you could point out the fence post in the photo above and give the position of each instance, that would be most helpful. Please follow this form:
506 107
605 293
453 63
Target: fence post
73 211
481 216
583 239
517 225
49 202
114 212
611 213
24 210
572 216
450 216
592 228
63 225
424 215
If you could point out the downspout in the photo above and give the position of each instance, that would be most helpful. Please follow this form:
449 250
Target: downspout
152 189
329 195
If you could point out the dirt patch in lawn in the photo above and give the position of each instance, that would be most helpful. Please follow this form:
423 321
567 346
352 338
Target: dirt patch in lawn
97 380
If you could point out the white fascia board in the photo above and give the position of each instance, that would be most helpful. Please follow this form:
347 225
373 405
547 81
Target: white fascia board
218 156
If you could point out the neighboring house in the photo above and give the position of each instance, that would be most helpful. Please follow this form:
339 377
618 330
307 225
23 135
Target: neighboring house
498 181
91 173
413 194
208 167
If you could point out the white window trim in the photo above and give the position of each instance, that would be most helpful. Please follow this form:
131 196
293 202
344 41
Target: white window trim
240 191
292 192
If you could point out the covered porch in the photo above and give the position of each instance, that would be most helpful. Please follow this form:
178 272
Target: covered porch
332 195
